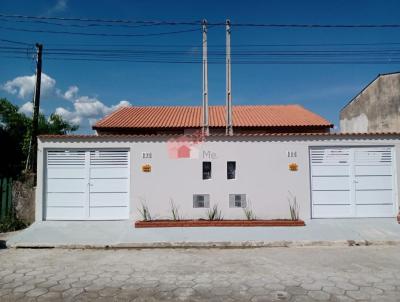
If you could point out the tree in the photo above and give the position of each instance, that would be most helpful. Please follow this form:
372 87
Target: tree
15 130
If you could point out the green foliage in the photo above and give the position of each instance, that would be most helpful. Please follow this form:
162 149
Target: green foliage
214 213
174 211
249 213
15 131
145 212
293 207
10 224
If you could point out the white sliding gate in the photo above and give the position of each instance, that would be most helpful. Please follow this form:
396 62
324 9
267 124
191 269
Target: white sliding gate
353 182
87 184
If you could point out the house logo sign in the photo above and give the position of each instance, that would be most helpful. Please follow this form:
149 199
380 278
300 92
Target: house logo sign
185 146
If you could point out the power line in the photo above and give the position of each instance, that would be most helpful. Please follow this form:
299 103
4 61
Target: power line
272 25
308 61
97 34
198 22
195 22
83 25
291 45
16 42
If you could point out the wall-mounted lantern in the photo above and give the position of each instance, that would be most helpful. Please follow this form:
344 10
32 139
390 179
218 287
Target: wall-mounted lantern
293 167
146 168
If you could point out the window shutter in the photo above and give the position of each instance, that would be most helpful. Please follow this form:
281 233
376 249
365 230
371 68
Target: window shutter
234 198
201 201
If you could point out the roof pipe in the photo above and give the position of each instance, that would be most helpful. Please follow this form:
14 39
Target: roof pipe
205 128
229 127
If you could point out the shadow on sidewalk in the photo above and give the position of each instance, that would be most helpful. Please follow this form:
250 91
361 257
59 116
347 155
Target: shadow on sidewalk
3 244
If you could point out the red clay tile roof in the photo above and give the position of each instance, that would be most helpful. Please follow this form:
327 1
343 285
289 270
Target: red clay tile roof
220 136
190 117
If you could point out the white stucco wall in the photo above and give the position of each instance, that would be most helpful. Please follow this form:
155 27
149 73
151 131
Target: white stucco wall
262 172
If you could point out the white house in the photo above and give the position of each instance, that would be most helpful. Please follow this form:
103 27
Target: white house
109 177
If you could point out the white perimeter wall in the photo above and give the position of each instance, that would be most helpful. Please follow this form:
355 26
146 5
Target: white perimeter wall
262 172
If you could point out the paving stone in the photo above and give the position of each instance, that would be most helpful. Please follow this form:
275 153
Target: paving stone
185 283
23 288
371 290
60 288
36 292
266 298
12 285
274 286
290 283
258 291
302 298
5 291
108 292
49 297
72 292
88 278
296 290
47 284
358 295
319 295
346 286
280 295
333 290
184 293
312 286
295 274
342 298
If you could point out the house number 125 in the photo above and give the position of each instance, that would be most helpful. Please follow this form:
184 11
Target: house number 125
146 155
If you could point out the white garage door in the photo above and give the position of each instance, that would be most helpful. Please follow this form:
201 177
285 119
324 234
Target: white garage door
87 184
352 182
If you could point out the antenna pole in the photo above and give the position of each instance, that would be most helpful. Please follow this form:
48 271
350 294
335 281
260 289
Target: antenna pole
206 130
229 128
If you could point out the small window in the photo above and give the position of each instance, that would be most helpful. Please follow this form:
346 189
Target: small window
237 200
206 170
201 201
231 170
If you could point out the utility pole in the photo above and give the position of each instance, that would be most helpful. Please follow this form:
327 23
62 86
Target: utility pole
206 129
229 128
36 106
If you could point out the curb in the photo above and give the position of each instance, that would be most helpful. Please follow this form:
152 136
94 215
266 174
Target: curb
222 245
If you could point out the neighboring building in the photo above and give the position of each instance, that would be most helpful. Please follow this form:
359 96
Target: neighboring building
187 119
376 108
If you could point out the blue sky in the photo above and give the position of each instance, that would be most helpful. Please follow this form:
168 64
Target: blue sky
96 88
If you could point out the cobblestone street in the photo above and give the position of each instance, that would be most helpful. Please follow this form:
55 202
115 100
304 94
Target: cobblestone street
264 274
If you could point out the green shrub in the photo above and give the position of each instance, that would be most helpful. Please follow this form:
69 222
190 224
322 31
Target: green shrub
145 212
214 213
174 211
294 207
10 224
249 213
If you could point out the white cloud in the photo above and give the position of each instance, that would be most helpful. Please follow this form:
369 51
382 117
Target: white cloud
24 86
71 93
26 108
88 109
59 6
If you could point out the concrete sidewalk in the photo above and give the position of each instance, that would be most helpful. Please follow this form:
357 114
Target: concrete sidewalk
100 234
